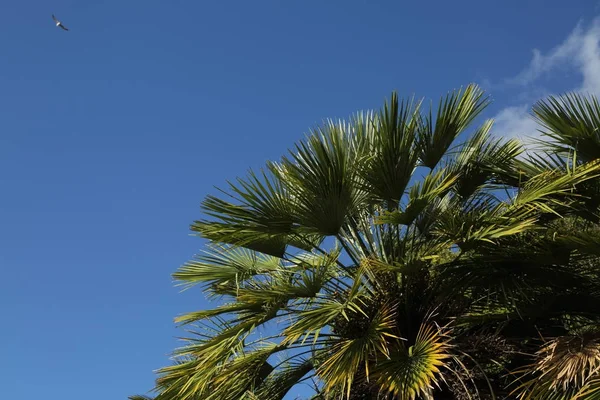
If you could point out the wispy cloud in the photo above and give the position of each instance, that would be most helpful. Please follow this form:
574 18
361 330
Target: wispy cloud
579 52
516 122
543 63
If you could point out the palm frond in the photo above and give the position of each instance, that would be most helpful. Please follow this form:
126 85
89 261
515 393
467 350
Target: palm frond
483 160
455 113
322 176
571 122
223 264
421 195
550 191
390 158
346 356
412 371
278 384
566 367
259 217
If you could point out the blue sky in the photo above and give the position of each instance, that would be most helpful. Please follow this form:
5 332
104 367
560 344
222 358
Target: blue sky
113 132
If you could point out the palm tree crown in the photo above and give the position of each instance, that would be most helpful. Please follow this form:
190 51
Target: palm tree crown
395 256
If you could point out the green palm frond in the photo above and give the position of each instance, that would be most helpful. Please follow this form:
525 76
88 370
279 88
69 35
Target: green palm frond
221 265
412 371
278 384
302 285
309 323
322 176
550 191
590 391
390 159
483 160
482 222
505 280
428 218
243 372
455 113
571 121
584 241
421 195
346 356
224 366
258 216
235 307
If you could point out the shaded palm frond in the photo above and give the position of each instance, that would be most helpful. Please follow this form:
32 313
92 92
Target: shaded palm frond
304 284
571 122
243 372
278 384
483 160
217 368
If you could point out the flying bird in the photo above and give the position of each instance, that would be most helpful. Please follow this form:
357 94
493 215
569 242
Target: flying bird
58 23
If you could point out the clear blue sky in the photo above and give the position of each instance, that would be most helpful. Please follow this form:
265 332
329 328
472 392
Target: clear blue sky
113 132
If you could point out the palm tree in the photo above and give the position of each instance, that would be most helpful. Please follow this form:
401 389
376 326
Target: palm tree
393 256
566 364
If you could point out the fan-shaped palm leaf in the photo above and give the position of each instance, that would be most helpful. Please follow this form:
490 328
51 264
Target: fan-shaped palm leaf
455 113
571 121
567 368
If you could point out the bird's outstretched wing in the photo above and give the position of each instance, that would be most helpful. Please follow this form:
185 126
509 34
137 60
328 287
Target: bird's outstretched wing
59 24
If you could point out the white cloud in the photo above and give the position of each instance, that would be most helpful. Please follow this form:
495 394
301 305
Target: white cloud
515 122
588 58
542 64
579 52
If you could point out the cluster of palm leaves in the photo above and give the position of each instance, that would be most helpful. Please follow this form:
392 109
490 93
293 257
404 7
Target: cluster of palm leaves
404 254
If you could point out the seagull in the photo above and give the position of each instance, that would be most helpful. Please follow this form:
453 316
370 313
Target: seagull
58 23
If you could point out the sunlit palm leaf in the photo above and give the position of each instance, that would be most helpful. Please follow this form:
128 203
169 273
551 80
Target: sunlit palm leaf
224 264
483 160
322 176
412 371
259 216
455 113
346 356
390 158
